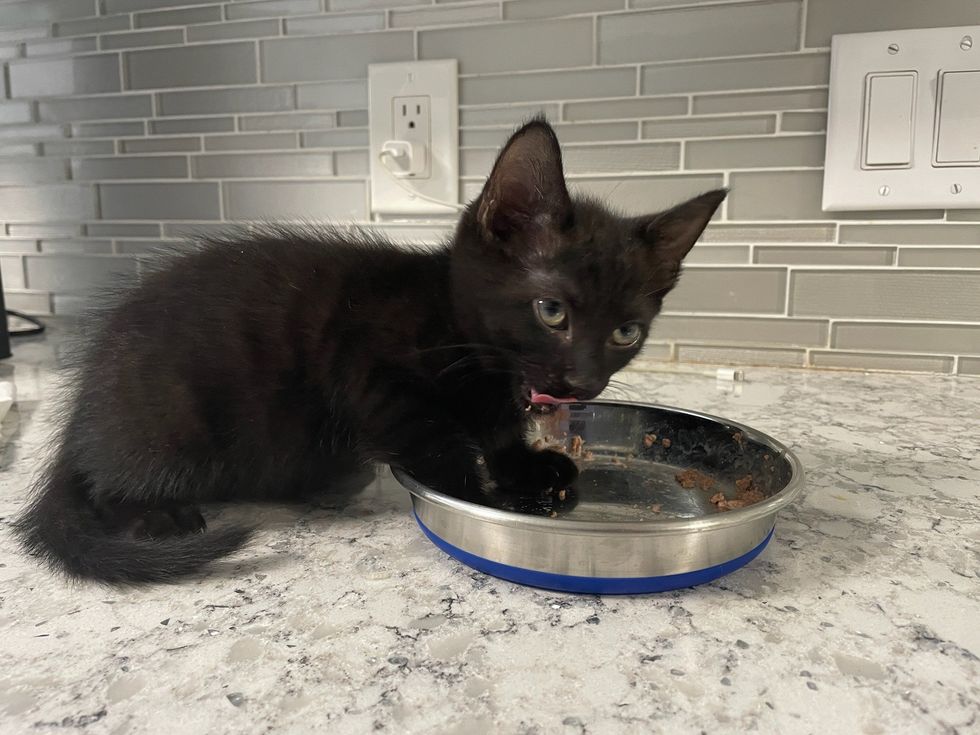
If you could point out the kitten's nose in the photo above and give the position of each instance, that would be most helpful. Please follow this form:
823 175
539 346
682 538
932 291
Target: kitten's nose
585 389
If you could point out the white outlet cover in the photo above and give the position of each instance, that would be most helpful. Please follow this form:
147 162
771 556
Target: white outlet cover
438 81
923 56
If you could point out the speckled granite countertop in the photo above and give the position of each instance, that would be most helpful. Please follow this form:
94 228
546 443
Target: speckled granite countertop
861 617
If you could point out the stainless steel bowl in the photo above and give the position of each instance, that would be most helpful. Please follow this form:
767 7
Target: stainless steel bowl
627 526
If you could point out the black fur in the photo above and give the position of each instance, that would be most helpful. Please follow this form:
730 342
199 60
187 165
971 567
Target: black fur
274 364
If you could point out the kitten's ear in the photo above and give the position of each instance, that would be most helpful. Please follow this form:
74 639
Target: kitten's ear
526 188
674 231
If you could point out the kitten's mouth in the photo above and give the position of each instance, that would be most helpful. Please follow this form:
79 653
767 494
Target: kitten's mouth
544 399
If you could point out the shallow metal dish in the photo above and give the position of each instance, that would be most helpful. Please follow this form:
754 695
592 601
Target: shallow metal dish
610 536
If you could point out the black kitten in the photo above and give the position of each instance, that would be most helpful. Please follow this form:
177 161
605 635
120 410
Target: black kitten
276 364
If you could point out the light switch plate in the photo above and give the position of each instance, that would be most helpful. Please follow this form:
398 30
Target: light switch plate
390 88
865 167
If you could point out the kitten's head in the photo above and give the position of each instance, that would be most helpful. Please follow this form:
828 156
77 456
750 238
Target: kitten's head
564 286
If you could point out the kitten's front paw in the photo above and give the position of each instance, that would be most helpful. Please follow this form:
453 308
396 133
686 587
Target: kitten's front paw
523 470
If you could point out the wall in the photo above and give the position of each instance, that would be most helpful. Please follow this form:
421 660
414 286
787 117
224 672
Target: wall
127 123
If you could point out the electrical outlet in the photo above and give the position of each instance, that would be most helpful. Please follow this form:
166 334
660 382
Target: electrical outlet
414 137
411 123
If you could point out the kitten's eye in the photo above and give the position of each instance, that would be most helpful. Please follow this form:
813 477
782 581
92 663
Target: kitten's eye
552 313
626 335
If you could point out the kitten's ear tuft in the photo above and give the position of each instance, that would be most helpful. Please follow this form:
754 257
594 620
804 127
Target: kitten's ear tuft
674 231
526 188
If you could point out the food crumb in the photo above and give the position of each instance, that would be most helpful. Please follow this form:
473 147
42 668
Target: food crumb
666 443
553 514
692 478
649 439
656 507
747 494
562 494
588 456
575 450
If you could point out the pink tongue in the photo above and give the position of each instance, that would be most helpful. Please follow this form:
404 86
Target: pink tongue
539 398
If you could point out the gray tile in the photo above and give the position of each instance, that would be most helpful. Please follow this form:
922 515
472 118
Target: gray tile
95 108
51 77
78 148
192 125
785 70
37 230
43 11
871 361
444 16
343 57
75 273
742 330
794 195
163 201
31 132
740 355
250 141
549 44
77 247
619 158
512 115
227 30
191 230
270 9
692 32
126 6
107 130
652 351
892 337
120 229
29 302
15 112
526 9
936 257
70 304
332 95
161 145
803 99
359 4
91 25
568 133
352 163
783 151
967 365
12 271
39 170
20 149
639 4
829 255
705 127
59 46
626 108
827 17
149 247
335 138
718 255
179 17
803 122
553 85
643 194
301 200
131 167
263 165
57 203
887 294
352 118
476 161
908 234
749 290
9 51
334 24
295 121
137 39
719 232
18 246
217 101
191 66
963 215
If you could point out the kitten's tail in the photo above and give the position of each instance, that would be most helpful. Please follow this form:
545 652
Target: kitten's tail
61 528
